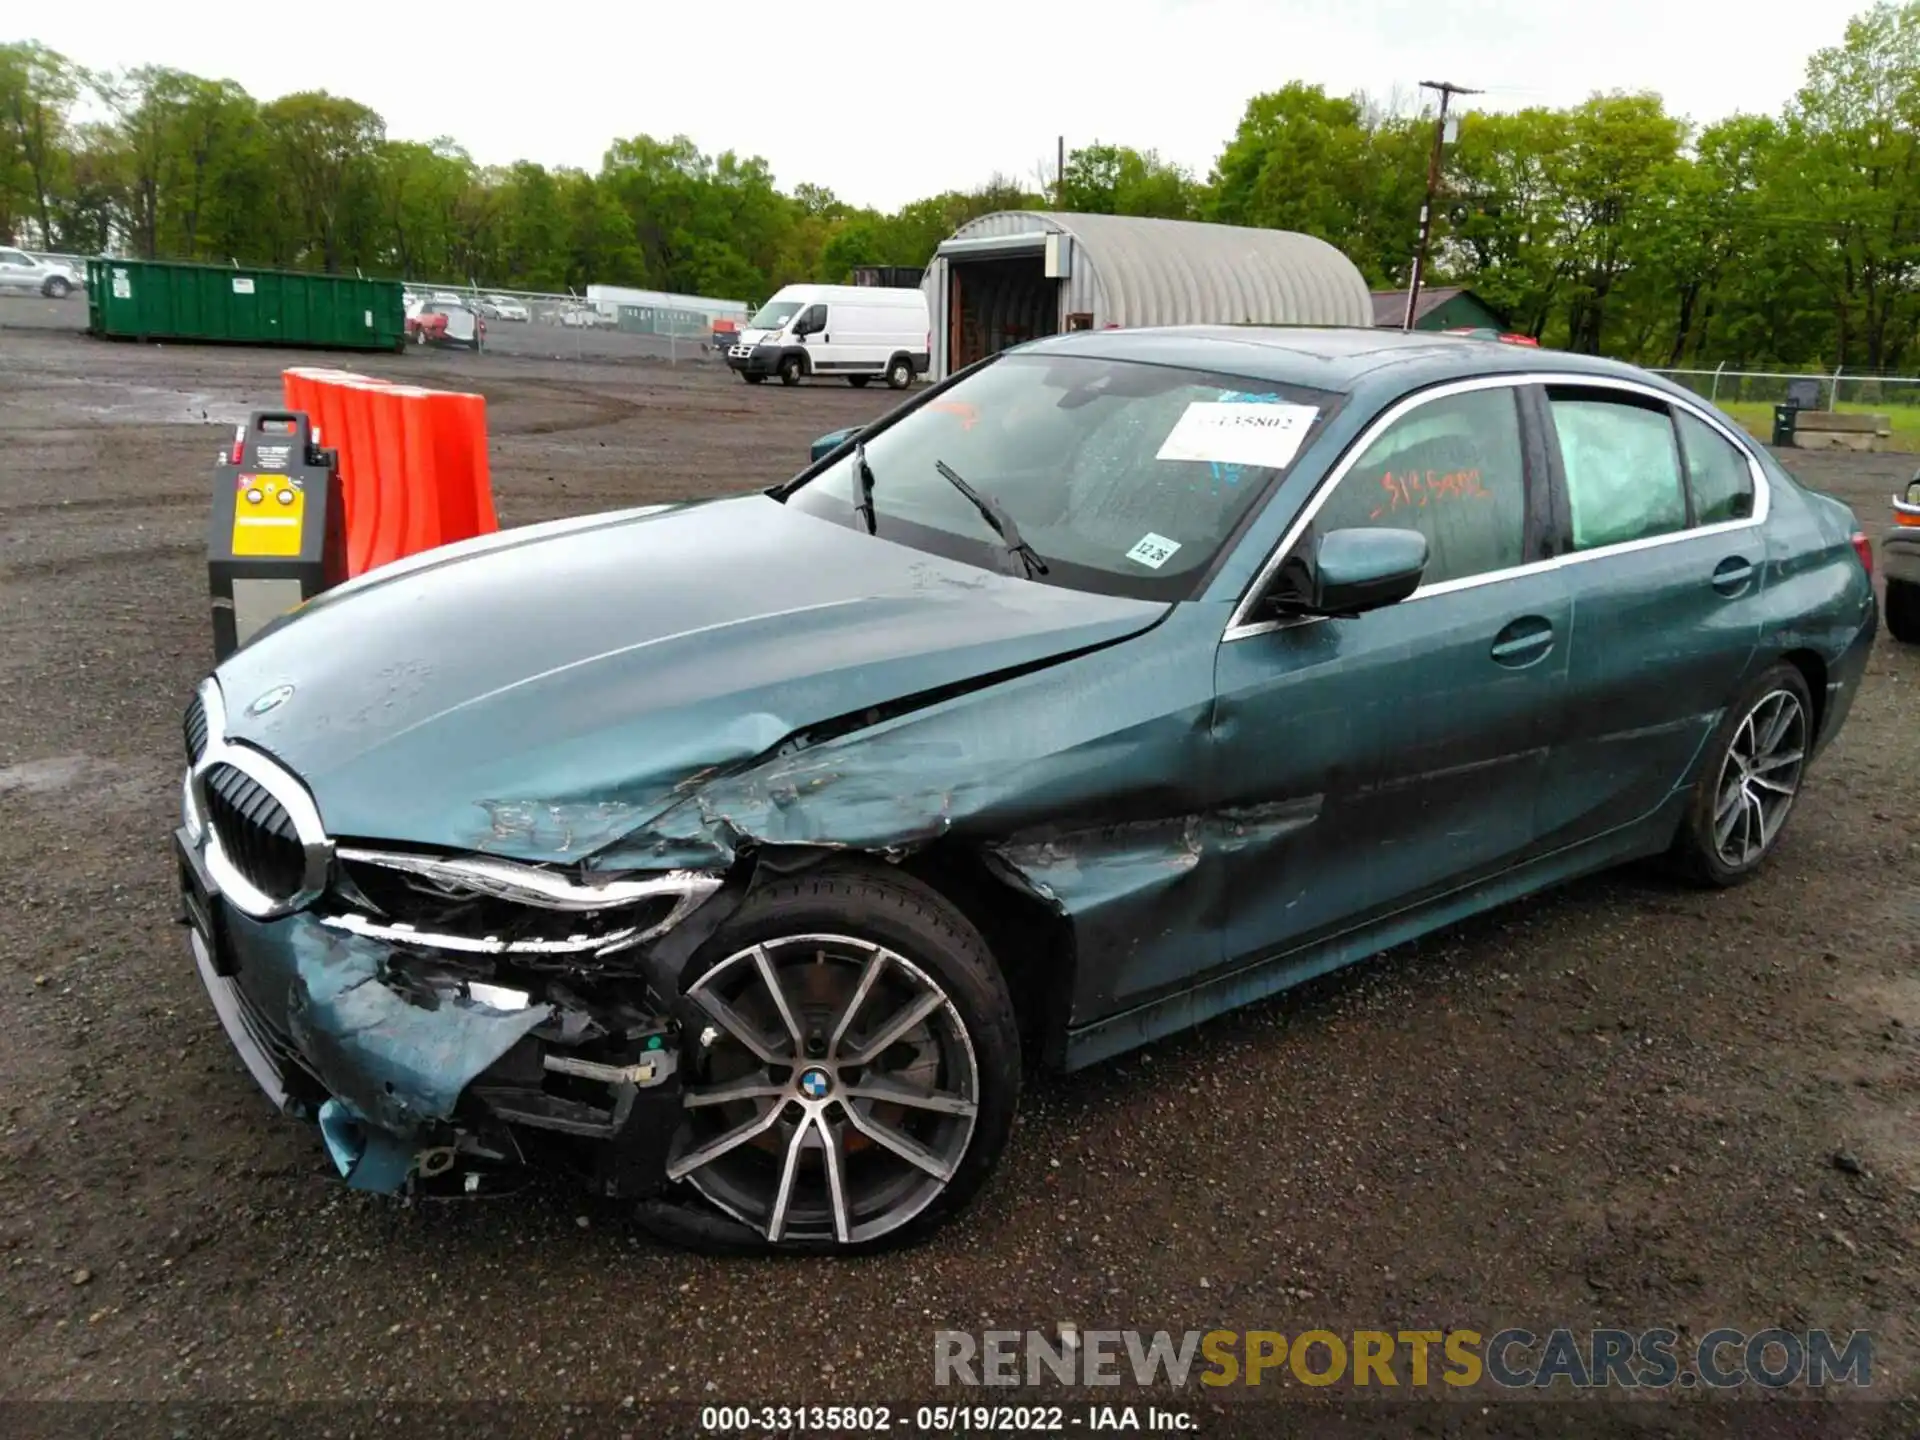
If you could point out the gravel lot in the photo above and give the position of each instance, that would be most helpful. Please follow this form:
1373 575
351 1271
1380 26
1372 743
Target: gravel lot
1624 1104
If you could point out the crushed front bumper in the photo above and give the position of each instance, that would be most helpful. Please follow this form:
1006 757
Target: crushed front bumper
415 1072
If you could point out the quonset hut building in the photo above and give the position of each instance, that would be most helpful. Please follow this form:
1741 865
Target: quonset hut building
1016 275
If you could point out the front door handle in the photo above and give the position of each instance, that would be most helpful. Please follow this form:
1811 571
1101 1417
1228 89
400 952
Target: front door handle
1733 575
1523 642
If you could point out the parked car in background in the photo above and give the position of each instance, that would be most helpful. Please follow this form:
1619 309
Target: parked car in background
732 852
20 271
443 322
1900 560
505 307
856 332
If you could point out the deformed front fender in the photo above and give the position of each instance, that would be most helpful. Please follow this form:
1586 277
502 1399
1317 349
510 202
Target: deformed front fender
1087 781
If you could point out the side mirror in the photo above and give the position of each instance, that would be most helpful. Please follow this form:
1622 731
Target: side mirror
832 441
1353 571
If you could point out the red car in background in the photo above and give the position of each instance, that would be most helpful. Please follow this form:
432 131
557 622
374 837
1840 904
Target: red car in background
443 322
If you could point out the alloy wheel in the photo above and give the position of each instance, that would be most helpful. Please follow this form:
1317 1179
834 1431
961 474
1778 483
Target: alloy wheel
1759 778
835 1092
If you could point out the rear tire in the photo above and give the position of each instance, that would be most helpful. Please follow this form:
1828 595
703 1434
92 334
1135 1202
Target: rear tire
1749 781
792 367
58 289
884 990
899 373
1903 611
858 382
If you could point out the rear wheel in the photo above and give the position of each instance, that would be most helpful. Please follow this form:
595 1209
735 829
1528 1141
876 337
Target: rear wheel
1748 785
1903 611
858 382
899 372
792 367
856 1079
58 288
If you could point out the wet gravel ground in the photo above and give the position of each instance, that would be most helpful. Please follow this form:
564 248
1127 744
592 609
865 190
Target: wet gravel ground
1625 1104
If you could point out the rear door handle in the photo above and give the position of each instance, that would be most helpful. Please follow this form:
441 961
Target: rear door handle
1523 642
1733 575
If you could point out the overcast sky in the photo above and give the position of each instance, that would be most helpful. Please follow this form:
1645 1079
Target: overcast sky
884 103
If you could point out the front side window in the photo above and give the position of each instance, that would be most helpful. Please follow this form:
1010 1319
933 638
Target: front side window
775 314
1454 469
1622 469
1717 473
1125 478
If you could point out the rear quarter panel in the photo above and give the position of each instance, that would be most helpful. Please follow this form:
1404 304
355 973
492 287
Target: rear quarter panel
1819 599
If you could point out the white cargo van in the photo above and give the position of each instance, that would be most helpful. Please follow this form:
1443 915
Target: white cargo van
855 331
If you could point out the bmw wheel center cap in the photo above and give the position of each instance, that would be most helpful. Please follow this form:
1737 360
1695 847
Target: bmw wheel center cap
814 1084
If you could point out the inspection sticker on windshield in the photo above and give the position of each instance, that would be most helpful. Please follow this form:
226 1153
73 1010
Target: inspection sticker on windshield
1238 434
1153 551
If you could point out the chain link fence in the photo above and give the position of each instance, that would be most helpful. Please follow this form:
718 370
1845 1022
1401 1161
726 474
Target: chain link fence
1835 390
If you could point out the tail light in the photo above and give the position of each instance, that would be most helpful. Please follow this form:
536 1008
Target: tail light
1863 547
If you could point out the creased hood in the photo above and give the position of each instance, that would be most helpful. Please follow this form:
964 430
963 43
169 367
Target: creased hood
540 694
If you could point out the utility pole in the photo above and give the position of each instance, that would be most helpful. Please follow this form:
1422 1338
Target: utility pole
1447 91
1060 174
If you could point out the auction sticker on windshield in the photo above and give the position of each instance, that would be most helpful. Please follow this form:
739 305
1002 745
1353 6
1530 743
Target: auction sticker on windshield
1153 551
1239 434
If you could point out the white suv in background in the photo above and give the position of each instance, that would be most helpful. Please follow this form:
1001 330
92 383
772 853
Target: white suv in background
21 271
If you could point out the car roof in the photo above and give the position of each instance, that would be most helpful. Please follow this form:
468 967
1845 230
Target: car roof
1336 359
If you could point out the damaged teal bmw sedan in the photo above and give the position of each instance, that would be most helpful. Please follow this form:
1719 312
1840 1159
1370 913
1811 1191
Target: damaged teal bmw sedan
738 854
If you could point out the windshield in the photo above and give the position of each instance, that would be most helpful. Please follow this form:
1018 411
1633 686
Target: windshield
774 314
1124 478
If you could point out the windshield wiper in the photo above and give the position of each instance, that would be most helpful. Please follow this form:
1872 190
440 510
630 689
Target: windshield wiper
863 480
995 514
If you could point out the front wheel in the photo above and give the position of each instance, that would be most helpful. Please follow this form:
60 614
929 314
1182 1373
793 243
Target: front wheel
856 1077
1748 784
858 382
791 369
1903 611
751 379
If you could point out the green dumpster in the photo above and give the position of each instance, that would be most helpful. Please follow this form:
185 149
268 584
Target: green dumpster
162 300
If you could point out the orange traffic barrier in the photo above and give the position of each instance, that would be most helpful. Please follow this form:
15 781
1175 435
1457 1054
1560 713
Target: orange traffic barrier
413 461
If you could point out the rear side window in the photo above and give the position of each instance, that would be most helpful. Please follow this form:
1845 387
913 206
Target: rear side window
1454 470
1622 468
1717 473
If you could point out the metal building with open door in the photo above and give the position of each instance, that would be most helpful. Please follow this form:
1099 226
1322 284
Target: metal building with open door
1016 275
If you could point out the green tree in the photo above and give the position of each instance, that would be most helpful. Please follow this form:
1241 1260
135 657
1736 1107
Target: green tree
38 88
327 149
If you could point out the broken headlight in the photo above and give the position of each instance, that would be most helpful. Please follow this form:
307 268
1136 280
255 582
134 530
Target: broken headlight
483 906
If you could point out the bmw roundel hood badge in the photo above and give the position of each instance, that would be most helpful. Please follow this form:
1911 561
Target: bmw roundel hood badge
272 700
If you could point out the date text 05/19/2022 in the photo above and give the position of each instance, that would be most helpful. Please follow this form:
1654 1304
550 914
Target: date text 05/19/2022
953 1419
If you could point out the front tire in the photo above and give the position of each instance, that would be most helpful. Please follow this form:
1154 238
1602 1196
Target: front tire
1903 611
1751 778
858 382
857 1076
791 369
751 379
